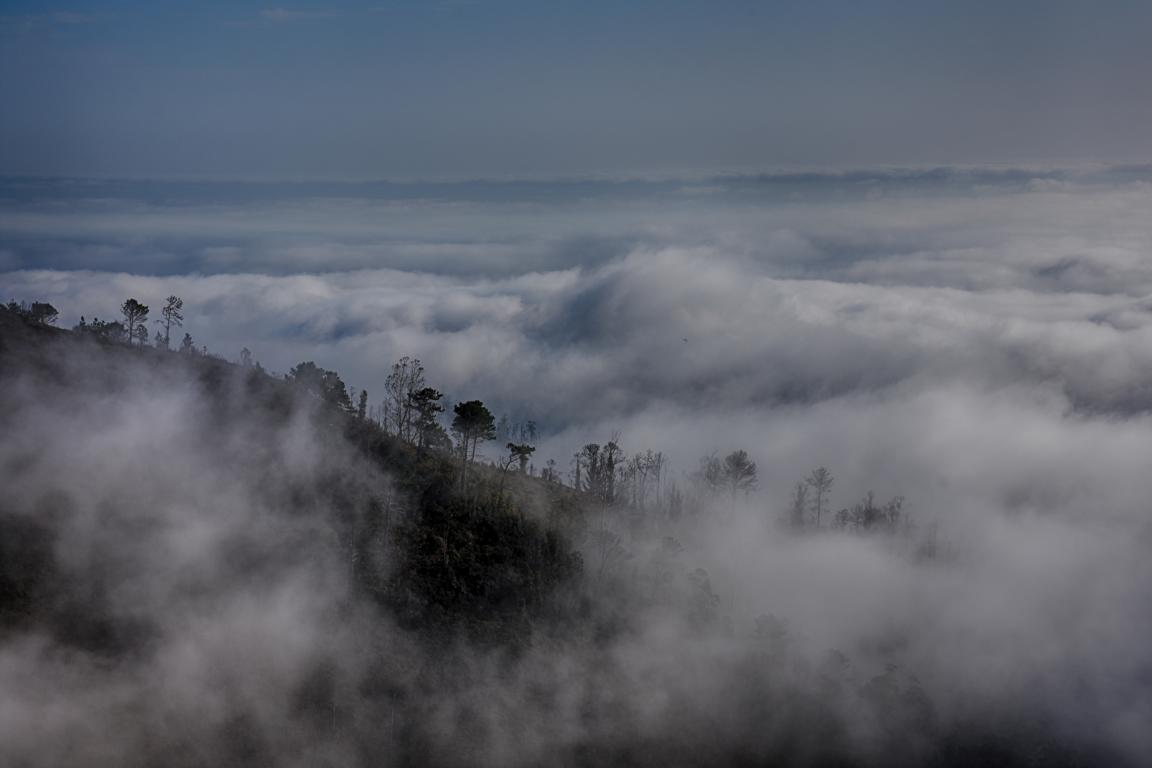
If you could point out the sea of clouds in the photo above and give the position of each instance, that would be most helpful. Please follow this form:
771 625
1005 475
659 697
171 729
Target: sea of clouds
978 341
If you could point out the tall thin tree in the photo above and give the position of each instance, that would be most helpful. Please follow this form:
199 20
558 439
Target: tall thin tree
821 483
171 315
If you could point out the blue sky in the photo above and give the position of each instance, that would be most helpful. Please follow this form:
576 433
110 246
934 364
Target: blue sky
554 87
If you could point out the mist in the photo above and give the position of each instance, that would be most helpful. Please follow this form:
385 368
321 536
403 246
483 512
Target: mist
221 588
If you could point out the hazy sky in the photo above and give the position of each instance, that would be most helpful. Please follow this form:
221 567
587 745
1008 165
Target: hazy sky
559 87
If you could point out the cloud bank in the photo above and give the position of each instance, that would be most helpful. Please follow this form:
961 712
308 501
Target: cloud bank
983 349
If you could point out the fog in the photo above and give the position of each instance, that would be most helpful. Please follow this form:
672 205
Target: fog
981 346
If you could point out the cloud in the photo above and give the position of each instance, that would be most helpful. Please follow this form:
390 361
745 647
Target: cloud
588 310
983 353
246 639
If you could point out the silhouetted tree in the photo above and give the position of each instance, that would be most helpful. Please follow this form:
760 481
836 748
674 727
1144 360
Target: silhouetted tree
520 453
425 406
611 457
643 471
362 406
246 357
187 346
599 469
321 383
473 424
37 313
171 315
109 330
135 314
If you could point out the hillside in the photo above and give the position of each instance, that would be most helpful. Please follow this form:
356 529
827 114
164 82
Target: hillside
201 564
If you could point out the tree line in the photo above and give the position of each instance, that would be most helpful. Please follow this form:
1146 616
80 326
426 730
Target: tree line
412 411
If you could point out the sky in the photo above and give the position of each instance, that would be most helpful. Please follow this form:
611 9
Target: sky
508 88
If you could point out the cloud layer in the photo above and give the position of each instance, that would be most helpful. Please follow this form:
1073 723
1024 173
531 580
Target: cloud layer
980 344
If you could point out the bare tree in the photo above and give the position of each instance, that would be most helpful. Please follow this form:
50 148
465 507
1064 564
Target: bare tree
171 316
821 483
406 378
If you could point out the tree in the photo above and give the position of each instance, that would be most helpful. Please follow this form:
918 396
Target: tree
599 469
589 459
171 315
187 346
644 473
44 313
362 407
321 383
407 377
518 453
739 472
710 474
246 357
798 506
867 516
135 314
612 456
473 424
142 334
111 330
821 483
521 453
425 405
36 313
